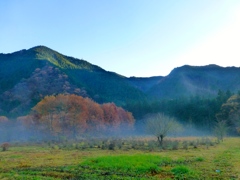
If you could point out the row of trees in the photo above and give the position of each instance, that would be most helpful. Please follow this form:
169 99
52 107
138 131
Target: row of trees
72 116
67 116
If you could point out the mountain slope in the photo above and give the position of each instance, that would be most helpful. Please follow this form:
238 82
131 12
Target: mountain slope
62 61
27 76
197 80
16 66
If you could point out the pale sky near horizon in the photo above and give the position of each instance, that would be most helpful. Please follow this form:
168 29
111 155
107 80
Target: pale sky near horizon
139 38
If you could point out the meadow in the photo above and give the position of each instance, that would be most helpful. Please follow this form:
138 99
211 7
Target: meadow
130 158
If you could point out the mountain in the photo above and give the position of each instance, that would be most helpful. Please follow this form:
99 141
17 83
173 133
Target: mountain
197 80
27 76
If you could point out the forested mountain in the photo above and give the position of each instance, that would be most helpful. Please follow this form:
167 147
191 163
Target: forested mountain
27 76
197 80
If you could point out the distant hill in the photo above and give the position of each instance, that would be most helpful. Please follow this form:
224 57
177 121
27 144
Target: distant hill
27 76
197 80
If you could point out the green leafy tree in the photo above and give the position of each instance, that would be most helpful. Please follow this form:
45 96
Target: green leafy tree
230 111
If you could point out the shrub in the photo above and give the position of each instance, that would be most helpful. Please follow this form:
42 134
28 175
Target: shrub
195 144
5 146
111 146
151 146
211 143
191 143
166 144
185 145
55 147
175 145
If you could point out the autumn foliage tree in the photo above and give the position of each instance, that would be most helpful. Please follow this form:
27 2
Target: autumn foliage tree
73 115
115 116
95 117
63 114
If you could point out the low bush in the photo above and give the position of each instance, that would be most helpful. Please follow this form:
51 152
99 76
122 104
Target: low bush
5 146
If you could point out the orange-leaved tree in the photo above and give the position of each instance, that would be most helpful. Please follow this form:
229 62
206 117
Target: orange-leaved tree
76 114
95 118
63 114
44 114
115 117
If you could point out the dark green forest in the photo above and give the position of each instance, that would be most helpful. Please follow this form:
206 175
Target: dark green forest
199 112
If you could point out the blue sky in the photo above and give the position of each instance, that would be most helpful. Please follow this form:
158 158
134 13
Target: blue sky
131 37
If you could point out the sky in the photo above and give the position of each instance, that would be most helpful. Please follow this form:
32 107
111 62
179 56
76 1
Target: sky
139 38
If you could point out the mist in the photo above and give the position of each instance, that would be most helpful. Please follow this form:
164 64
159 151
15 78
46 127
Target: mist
16 131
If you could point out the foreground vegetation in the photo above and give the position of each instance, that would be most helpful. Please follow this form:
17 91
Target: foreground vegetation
124 159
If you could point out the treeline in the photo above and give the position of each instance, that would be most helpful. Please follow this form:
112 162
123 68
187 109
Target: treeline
72 116
194 111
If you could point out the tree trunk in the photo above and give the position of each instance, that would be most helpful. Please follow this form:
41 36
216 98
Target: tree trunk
160 140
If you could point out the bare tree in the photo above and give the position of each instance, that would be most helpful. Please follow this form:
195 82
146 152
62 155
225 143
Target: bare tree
161 125
220 130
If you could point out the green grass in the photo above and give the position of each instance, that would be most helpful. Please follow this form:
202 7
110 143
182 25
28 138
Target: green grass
42 162
180 170
199 159
139 164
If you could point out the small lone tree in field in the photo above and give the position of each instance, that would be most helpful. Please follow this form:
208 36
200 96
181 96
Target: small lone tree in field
161 125
220 130
5 146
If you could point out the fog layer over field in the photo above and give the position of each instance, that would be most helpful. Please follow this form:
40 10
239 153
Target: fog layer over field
14 131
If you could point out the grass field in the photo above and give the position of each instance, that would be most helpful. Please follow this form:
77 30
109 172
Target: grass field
44 161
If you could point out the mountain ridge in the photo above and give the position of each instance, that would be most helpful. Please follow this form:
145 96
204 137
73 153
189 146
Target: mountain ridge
198 80
41 71
24 71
